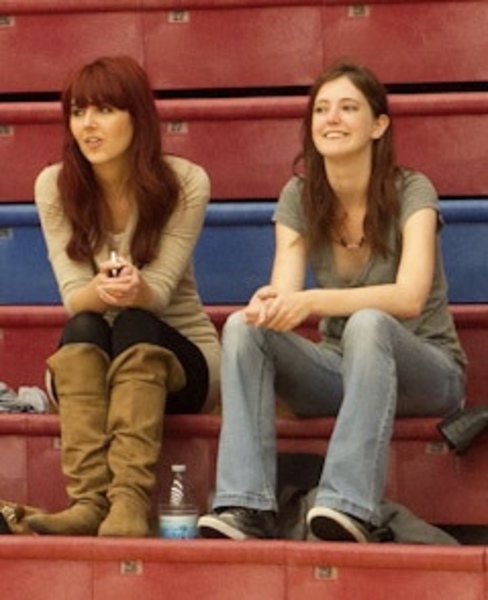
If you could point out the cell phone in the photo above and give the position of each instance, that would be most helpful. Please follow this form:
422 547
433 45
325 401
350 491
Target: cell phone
115 270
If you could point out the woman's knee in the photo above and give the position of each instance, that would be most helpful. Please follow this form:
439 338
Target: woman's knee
137 319
89 328
368 326
134 326
237 332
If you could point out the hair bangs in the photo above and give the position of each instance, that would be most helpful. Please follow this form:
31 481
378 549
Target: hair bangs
95 86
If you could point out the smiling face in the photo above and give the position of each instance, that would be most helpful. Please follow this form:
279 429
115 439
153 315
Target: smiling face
343 124
103 133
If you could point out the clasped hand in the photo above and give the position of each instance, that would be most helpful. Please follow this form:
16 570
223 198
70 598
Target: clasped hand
281 311
118 284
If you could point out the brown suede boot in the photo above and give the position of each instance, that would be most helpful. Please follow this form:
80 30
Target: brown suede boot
80 376
139 380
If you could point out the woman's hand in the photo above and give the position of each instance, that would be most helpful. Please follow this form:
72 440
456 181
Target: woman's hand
255 313
279 311
288 310
119 283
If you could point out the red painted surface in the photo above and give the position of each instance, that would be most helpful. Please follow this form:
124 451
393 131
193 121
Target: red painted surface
430 133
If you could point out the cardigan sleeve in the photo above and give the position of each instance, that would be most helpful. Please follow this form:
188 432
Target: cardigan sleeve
69 274
178 240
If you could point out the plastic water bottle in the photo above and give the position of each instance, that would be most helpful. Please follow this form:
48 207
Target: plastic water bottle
178 511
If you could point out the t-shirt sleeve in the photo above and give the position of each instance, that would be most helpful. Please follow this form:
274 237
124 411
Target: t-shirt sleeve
289 210
417 193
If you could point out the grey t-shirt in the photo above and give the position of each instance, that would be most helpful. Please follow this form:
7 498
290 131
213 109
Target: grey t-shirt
435 324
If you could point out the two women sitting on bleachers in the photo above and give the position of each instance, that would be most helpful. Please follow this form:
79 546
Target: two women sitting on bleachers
138 342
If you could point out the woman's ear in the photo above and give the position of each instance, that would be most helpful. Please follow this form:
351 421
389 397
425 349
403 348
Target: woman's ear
381 125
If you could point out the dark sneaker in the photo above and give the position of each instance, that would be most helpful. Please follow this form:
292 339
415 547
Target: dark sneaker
237 523
331 525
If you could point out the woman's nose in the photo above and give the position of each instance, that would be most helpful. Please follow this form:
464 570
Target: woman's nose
333 115
89 118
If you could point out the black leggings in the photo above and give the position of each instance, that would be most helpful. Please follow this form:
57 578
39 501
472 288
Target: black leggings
136 326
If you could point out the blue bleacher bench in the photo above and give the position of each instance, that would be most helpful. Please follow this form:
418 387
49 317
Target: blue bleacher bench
234 254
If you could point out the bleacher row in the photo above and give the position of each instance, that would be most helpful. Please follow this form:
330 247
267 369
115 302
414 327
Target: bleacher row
231 77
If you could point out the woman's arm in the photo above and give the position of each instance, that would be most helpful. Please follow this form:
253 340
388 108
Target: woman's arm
77 282
405 298
287 275
163 275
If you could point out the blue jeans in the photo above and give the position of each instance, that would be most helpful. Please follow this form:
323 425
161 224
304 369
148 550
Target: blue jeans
381 370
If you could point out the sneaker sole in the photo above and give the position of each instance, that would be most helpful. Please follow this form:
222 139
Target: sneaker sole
333 526
211 527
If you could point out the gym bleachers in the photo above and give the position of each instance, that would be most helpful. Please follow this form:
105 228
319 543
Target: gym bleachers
231 77
237 137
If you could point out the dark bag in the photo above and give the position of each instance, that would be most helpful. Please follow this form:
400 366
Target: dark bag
298 477
461 429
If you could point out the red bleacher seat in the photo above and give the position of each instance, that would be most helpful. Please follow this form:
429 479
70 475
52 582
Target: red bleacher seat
245 43
410 41
234 137
437 133
208 44
384 572
39 47
32 131
89 569
30 471
266 132
33 332
14 7
240 45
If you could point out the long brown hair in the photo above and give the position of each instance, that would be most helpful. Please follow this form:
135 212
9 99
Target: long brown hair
319 201
119 82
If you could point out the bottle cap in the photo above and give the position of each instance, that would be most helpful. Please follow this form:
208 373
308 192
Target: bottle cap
178 468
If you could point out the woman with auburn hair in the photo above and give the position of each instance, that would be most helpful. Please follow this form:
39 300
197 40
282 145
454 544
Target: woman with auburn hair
388 346
121 221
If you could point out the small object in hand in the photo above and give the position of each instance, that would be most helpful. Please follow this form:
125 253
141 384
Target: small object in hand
114 272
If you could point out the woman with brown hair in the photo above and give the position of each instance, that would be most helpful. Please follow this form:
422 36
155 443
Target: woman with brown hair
121 221
388 346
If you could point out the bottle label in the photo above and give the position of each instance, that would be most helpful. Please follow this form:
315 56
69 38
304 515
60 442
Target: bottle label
178 527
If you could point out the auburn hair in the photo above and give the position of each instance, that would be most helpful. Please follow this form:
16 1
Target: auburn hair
122 83
319 201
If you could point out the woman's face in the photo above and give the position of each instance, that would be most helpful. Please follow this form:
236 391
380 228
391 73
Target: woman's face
343 124
103 133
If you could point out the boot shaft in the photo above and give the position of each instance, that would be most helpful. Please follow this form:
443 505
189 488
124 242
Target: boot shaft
80 376
139 380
